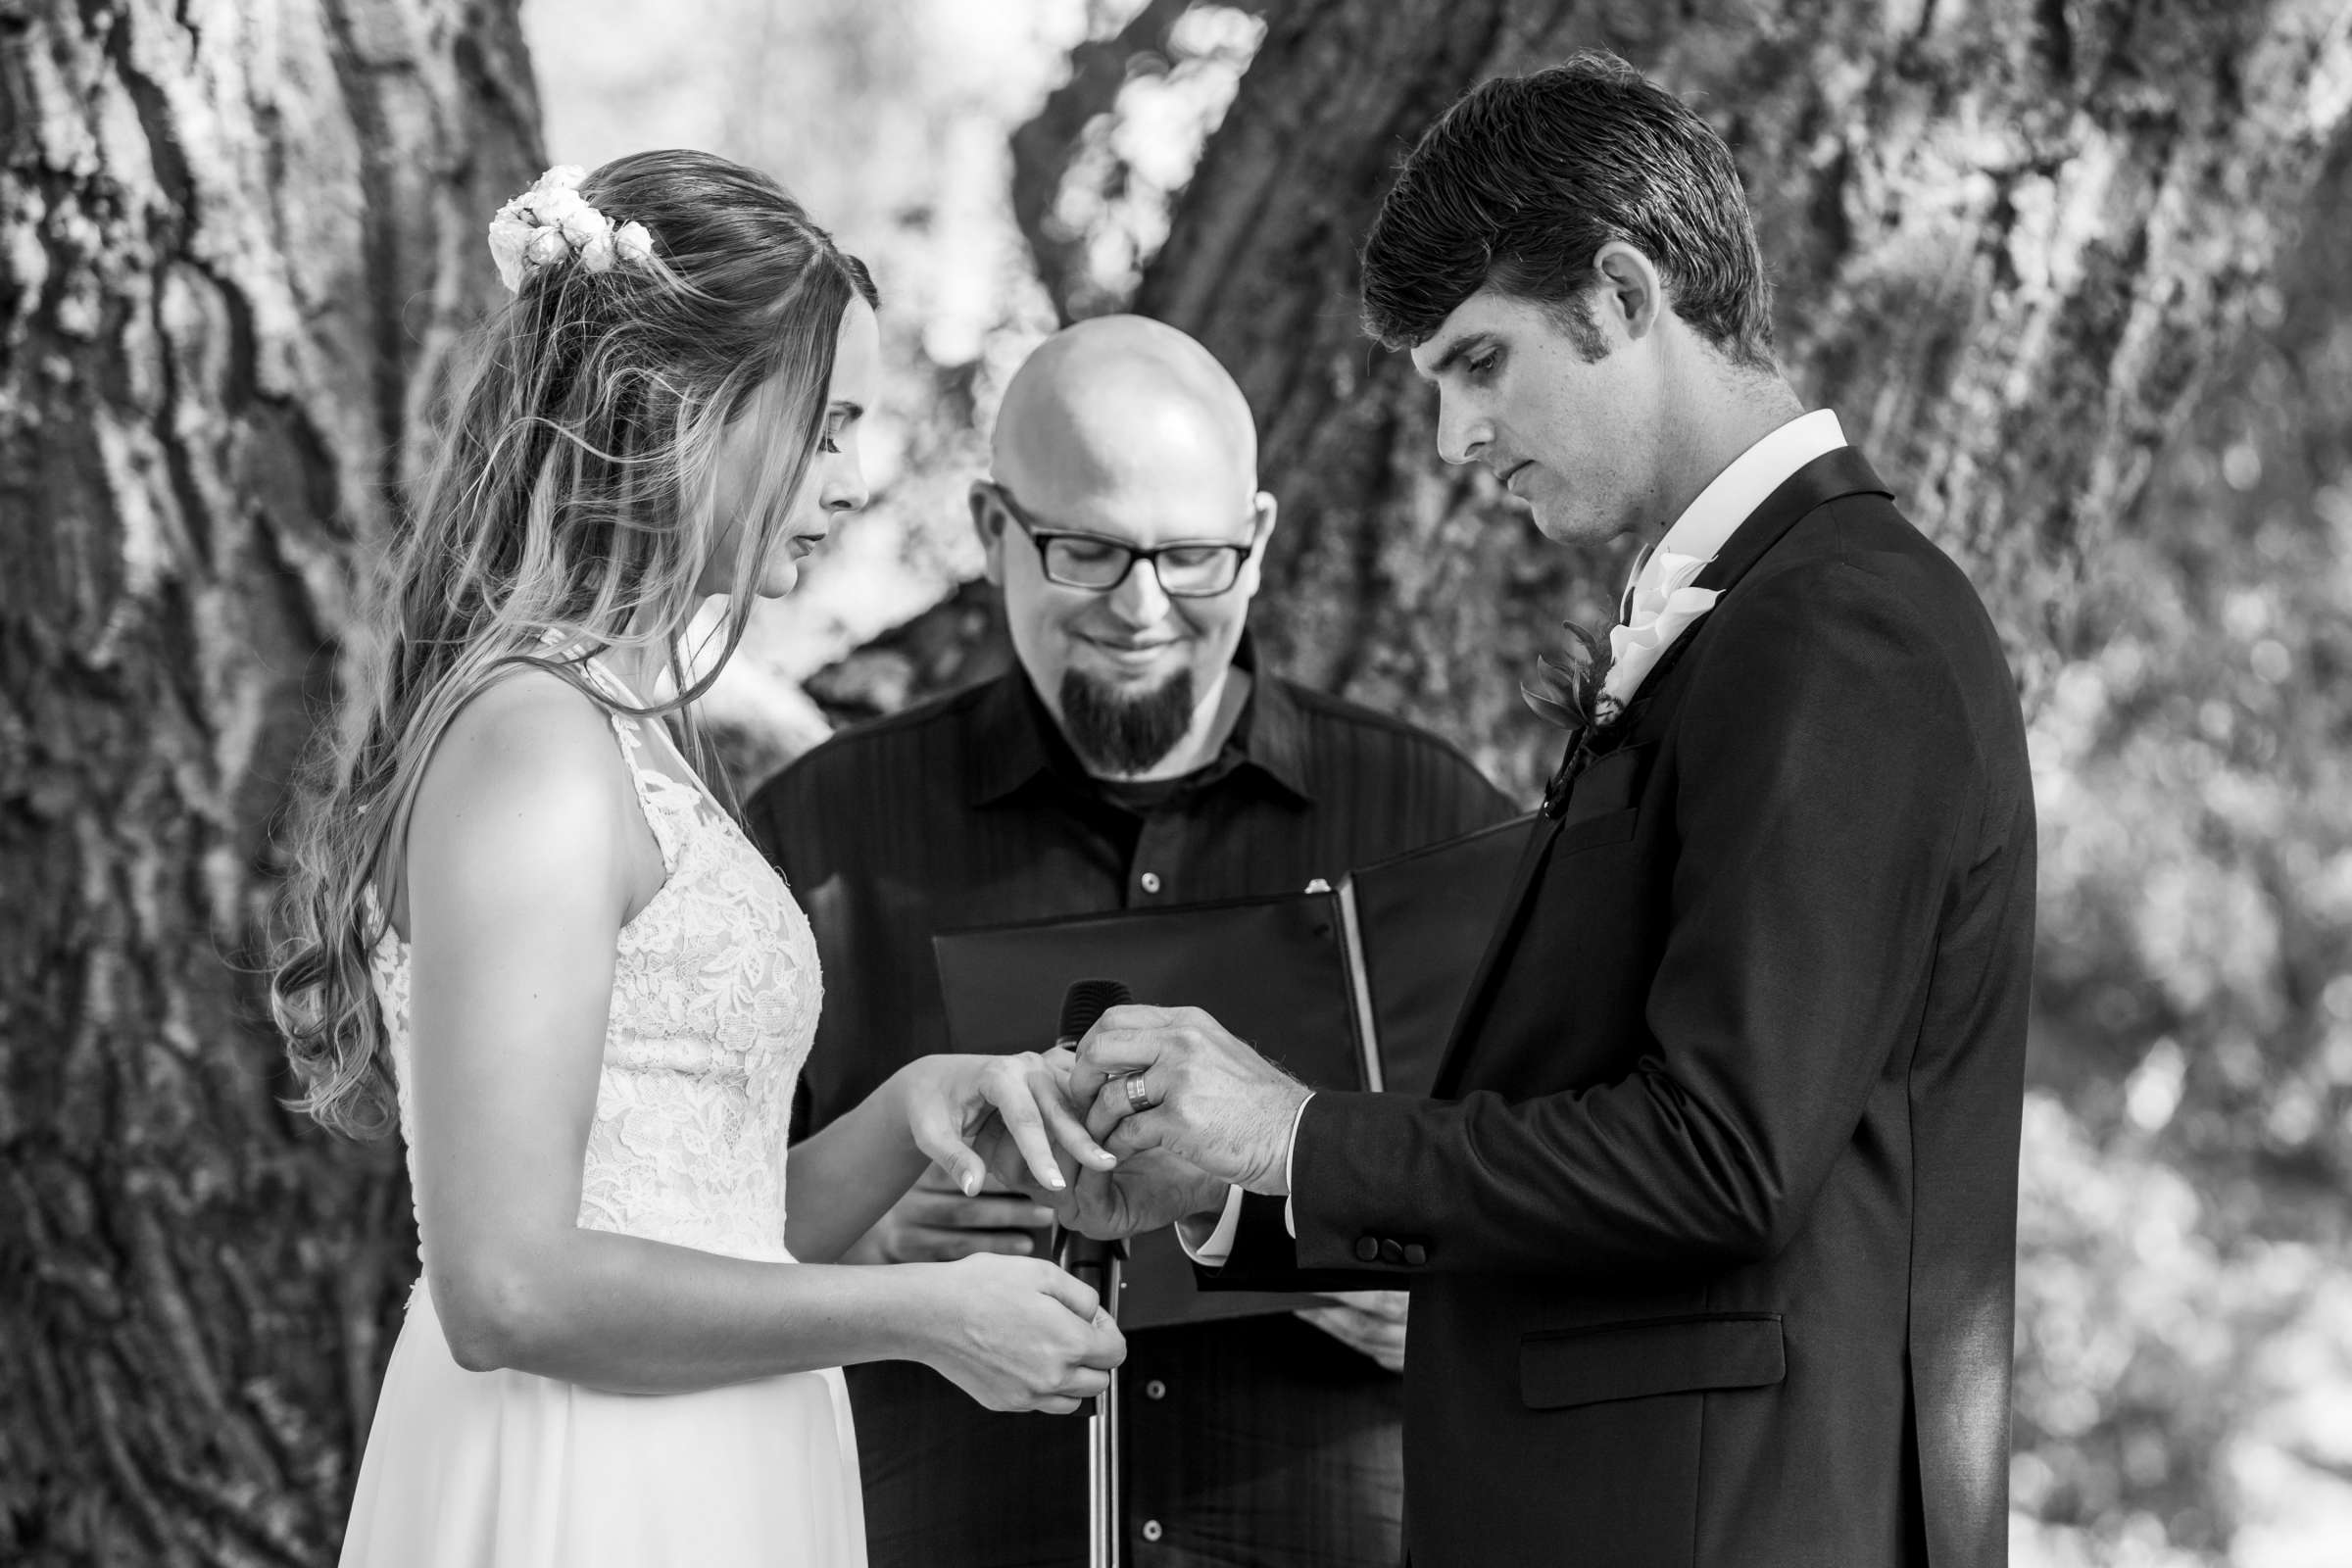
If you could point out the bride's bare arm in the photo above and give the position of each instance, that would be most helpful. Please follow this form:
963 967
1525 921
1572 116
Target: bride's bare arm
526 853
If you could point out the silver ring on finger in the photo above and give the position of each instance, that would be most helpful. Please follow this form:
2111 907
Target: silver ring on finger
1138 1102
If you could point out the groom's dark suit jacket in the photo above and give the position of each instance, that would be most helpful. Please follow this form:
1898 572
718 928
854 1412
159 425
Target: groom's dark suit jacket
1709 1227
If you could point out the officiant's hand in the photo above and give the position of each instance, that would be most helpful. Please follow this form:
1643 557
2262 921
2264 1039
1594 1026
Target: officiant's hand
937 1223
1368 1322
1174 1079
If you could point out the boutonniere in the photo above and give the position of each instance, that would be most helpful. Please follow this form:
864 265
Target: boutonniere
1590 693
1664 604
1563 691
1567 692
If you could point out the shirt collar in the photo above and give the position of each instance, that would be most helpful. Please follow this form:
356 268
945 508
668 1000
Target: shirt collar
1007 737
1015 740
1734 495
1271 733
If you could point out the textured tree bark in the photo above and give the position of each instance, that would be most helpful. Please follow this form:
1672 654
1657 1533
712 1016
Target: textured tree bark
2009 239
236 241
1044 145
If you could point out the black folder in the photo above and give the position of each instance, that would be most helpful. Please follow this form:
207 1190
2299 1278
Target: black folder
1348 987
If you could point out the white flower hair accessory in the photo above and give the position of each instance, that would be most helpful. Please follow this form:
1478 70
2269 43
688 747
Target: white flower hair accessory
552 221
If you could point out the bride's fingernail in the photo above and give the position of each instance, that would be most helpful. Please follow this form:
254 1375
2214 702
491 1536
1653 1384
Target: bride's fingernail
1055 1182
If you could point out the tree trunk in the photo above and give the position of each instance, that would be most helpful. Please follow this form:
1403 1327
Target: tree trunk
237 242
2009 239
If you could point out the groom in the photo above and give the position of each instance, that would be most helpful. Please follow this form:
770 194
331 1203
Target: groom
1709 1224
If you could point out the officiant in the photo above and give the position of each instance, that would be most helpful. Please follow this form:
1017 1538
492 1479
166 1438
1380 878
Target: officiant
1135 756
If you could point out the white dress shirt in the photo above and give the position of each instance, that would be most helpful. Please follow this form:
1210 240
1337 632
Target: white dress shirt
1698 535
1732 497
1664 599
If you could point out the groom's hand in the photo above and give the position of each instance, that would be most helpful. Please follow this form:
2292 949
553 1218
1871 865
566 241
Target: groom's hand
1148 1189
1174 1079
1146 1192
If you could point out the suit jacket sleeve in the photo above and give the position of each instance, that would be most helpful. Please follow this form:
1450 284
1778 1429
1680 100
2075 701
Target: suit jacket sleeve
1828 779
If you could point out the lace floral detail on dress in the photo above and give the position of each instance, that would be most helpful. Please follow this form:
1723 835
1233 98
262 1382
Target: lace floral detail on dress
715 993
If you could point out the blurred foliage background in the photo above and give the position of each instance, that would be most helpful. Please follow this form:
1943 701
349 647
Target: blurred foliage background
2184 1315
2185 1388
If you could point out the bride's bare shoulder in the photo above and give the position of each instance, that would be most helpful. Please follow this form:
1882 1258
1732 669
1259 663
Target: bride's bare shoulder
527 723
528 765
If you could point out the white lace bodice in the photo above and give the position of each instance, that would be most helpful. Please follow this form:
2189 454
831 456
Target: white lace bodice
716 991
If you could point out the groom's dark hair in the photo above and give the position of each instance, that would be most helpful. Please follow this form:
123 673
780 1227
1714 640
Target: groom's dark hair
1526 177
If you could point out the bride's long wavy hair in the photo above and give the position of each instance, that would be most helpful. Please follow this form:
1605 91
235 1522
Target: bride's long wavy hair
570 509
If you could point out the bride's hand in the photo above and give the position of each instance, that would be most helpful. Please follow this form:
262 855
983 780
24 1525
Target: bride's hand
1018 1334
953 1101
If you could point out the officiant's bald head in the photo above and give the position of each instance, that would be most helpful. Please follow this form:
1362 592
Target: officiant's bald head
1125 430
1122 399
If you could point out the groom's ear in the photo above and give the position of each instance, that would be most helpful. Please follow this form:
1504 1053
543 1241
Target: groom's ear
988 521
1631 292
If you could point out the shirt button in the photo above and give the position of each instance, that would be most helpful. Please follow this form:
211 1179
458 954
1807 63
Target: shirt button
1151 1530
1150 881
1155 1389
1367 1249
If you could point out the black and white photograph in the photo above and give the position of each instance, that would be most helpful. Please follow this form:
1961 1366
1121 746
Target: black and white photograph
1164 784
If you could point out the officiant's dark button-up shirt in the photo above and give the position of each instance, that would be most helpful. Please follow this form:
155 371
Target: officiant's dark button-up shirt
1255 1440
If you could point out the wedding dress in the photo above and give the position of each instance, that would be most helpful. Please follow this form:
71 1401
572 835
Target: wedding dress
715 1004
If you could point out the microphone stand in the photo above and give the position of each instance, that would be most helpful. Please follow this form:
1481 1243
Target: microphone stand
1099 1264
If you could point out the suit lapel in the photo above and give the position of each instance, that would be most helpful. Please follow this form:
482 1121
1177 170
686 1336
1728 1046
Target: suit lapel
1827 479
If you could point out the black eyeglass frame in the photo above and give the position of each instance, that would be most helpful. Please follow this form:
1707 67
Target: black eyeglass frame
1042 537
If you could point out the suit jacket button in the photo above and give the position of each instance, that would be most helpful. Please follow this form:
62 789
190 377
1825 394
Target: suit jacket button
1367 1249
1415 1254
1390 1252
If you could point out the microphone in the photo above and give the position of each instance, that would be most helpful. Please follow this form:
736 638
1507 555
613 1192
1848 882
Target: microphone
1095 1263
1084 1002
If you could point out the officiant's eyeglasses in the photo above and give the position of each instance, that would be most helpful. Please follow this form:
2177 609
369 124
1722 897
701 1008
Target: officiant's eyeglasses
1189 569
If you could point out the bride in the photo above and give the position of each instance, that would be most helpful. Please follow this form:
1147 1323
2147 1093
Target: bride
521 924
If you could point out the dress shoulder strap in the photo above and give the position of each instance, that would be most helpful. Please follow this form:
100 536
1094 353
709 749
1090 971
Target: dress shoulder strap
648 783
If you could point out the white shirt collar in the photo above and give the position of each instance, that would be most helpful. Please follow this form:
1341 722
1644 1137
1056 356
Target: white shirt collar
1708 522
